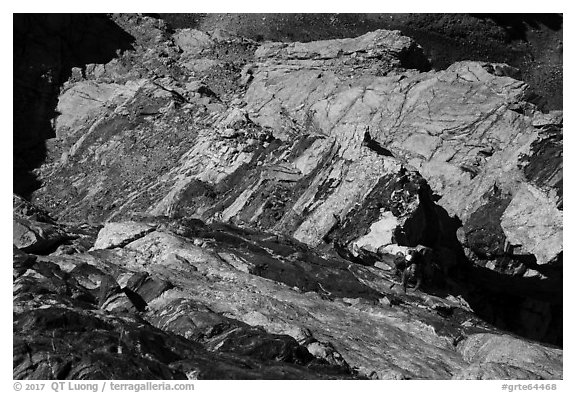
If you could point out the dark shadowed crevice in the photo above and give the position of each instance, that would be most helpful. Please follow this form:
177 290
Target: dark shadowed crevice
414 58
46 48
530 307
484 235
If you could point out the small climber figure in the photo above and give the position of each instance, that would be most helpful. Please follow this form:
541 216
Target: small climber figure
399 264
413 270
402 177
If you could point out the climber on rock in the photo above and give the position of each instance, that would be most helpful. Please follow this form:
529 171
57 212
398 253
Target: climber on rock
413 270
399 264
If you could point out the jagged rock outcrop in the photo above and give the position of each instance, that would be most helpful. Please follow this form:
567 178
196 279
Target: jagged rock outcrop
348 146
458 128
313 114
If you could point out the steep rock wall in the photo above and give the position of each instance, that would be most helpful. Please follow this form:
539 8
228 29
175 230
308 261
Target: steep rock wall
330 142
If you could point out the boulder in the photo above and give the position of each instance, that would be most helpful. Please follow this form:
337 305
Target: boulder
147 287
193 42
118 234
36 237
533 225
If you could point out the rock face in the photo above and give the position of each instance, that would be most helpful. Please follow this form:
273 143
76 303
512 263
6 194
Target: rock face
491 352
336 154
292 313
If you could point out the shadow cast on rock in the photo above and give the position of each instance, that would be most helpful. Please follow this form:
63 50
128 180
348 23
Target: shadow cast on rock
46 48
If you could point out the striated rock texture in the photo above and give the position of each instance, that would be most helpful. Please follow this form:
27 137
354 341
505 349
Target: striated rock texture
188 300
254 195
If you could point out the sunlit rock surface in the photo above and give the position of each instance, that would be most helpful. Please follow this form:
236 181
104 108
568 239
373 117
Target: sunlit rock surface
220 208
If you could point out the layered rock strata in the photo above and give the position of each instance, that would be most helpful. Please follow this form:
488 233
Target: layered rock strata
186 300
347 146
